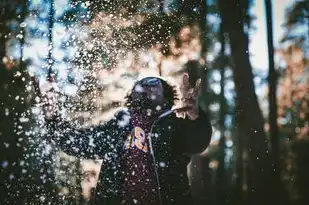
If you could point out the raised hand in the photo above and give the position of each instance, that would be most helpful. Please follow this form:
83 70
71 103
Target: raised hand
190 96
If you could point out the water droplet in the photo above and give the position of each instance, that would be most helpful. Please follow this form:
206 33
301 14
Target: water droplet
4 164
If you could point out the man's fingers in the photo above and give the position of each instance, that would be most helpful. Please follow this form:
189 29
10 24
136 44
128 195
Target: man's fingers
197 88
198 83
186 83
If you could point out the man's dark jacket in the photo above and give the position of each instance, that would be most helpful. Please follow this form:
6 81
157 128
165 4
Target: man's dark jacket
174 141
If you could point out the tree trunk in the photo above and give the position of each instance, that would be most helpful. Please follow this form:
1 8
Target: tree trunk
272 81
250 119
203 26
221 182
22 31
5 123
238 195
204 71
161 6
3 31
273 115
50 59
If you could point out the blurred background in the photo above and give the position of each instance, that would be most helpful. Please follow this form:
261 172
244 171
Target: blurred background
252 57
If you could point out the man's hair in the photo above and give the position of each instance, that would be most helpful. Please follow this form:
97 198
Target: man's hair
137 100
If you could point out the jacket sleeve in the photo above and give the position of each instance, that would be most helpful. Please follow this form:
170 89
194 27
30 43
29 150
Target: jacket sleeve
91 143
195 135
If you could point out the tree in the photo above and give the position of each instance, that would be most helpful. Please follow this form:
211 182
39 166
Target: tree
279 192
14 102
293 101
293 121
273 108
9 11
221 182
50 59
251 128
272 80
297 25
28 172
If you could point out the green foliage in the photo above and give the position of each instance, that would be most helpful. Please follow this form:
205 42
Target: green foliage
297 24
297 14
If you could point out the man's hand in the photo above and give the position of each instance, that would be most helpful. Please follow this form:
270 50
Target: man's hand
190 95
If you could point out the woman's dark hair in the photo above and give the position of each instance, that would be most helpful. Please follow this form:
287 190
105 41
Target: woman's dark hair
140 102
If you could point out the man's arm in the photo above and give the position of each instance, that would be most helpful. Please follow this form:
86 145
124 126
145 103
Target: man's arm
195 129
92 143
194 135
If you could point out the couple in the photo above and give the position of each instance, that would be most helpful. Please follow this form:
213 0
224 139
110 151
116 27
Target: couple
145 147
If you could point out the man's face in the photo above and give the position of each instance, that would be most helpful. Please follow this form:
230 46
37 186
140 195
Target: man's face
152 94
155 95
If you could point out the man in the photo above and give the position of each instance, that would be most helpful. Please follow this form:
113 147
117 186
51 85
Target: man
144 154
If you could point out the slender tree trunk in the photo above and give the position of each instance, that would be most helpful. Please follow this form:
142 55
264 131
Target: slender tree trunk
203 26
273 115
221 182
3 30
250 119
22 40
204 72
238 197
272 81
5 123
50 58
161 6
279 193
